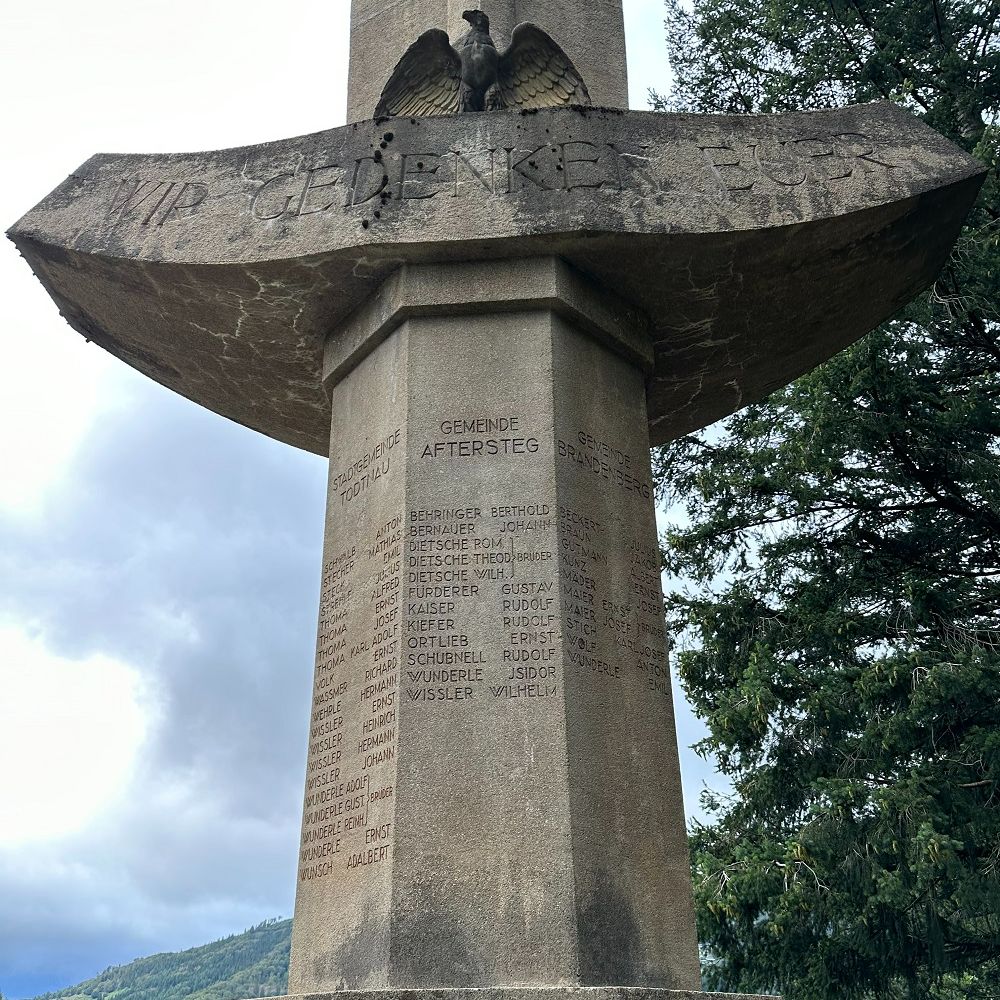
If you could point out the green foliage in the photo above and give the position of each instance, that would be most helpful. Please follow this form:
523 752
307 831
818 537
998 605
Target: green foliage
838 571
742 56
252 964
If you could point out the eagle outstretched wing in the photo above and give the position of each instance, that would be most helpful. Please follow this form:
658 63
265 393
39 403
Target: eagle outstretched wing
535 73
426 81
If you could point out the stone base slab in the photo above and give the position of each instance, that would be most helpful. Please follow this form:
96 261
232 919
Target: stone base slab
529 993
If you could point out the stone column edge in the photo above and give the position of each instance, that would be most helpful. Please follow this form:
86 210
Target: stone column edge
484 287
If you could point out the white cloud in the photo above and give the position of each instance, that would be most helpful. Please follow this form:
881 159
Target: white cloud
70 735
184 551
45 429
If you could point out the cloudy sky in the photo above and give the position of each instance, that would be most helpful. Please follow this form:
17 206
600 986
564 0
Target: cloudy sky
159 566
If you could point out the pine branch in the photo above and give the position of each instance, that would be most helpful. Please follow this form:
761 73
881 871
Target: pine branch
895 63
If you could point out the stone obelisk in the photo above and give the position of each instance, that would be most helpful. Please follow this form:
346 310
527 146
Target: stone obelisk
493 795
485 320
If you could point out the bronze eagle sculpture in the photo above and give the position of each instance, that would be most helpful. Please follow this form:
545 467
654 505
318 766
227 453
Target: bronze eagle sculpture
436 78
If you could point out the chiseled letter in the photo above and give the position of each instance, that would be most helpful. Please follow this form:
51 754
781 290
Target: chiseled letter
260 191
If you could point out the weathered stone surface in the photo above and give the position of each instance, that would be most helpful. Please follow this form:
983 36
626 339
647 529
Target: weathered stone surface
534 993
757 247
592 34
493 795
489 287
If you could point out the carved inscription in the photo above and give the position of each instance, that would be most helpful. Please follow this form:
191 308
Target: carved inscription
353 731
820 159
421 175
398 176
464 558
615 631
482 579
608 463
367 470
444 664
156 202
350 785
470 608
579 164
484 437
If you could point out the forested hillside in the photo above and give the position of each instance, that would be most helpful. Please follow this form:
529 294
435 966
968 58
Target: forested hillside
251 964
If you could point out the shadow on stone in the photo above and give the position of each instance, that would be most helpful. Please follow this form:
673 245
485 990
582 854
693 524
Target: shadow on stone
357 955
609 935
430 943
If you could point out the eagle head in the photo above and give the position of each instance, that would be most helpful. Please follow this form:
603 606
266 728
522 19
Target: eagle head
478 20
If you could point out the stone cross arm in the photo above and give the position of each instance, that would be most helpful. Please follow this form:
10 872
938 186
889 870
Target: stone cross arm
744 250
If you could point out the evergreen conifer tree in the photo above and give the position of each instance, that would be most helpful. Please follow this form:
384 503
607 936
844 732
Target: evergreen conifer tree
838 566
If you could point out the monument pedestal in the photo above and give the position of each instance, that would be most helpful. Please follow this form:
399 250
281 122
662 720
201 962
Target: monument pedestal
530 993
493 795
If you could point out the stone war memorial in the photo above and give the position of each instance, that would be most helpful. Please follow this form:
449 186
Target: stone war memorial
485 304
